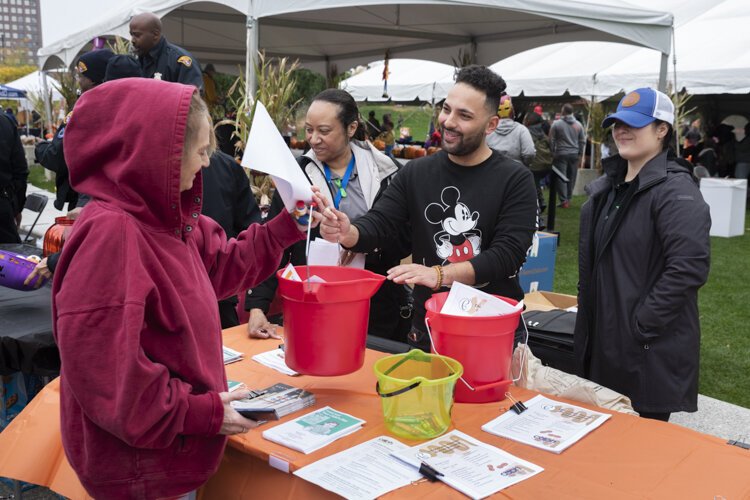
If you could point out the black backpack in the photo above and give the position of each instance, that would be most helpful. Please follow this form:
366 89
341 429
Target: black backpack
542 162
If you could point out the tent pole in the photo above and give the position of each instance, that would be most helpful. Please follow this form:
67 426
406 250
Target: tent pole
676 89
663 72
46 96
251 84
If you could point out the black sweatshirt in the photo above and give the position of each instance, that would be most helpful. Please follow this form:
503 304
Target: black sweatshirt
485 214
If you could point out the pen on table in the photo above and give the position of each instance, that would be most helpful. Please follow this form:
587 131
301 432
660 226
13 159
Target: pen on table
429 472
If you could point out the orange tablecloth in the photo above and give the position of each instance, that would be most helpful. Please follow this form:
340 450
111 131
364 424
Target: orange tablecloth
627 457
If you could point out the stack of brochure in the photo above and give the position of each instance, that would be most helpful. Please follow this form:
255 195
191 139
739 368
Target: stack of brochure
230 355
364 472
315 430
275 359
474 468
274 402
547 424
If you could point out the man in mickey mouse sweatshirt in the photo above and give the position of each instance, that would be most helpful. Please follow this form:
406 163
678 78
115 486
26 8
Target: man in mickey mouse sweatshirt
472 211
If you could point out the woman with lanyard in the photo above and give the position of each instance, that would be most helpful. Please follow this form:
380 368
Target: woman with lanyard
352 174
643 254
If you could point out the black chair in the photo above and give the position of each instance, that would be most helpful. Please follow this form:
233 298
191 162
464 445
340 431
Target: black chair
36 203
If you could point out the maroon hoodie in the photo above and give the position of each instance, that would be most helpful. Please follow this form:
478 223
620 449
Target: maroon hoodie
134 298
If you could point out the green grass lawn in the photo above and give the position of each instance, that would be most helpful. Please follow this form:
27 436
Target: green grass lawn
36 177
724 307
416 117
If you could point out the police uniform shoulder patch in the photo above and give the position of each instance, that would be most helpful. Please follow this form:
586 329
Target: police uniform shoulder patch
185 60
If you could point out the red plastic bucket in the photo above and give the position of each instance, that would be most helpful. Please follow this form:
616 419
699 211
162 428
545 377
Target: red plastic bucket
325 324
483 345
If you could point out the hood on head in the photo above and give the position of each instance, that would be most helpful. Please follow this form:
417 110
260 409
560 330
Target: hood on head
505 126
569 118
123 145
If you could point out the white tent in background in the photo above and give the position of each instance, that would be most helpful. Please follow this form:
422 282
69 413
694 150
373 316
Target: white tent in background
33 83
345 33
409 79
712 58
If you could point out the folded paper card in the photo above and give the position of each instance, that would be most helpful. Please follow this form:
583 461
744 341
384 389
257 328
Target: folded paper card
464 300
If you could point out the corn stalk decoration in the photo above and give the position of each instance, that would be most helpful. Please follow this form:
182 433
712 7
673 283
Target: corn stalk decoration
276 90
37 100
595 132
681 111
120 46
65 83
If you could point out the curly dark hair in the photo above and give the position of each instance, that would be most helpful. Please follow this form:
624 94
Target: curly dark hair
484 80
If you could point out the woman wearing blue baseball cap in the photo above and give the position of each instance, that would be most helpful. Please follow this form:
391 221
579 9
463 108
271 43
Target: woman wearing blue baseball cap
644 253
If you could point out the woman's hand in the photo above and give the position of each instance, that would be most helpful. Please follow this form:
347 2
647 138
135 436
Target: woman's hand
413 274
334 224
234 423
40 270
258 326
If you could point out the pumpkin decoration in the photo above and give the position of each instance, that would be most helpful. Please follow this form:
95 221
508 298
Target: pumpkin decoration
398 152
420 152
379 144
432 150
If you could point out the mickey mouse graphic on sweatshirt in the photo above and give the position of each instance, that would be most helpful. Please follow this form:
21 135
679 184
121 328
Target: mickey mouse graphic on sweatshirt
459 240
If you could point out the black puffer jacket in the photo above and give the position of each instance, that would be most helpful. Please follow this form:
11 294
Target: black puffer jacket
638 330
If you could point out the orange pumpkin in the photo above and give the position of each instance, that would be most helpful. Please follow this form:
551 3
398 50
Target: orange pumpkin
432 150
420 152
398 152
379 144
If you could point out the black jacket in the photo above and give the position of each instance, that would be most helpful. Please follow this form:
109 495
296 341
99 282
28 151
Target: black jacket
385 307
166 61
227 197
638 330
51 155
13 168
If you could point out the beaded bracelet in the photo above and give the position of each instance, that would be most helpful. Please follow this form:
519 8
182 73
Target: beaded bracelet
439 271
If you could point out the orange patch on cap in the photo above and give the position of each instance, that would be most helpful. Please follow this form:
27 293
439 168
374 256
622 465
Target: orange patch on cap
82 68
631 99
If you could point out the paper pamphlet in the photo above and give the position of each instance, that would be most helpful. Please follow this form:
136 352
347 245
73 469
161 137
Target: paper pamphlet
275 359
474 468
464 300
267 152
363 472
324 253
547 424
233 385
290 273
315 430
230 355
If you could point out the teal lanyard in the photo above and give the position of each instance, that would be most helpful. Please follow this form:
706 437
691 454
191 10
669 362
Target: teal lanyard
341 185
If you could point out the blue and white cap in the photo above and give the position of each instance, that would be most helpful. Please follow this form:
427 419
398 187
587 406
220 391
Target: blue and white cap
641 107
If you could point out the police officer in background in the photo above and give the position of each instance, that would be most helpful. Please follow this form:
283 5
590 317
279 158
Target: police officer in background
160 59
13 175
90 72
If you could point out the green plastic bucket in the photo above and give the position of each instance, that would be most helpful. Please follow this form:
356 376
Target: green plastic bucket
416 389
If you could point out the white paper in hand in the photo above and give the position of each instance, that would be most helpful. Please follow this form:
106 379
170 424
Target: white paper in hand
267 152
325 253
464 300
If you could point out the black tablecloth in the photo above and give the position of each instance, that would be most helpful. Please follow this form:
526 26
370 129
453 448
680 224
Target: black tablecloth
26 342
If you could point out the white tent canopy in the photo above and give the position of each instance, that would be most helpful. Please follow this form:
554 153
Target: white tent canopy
349 32
711 41
33 83
413 79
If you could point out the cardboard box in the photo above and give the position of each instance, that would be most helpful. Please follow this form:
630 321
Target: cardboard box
726 198
538 272
547 301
